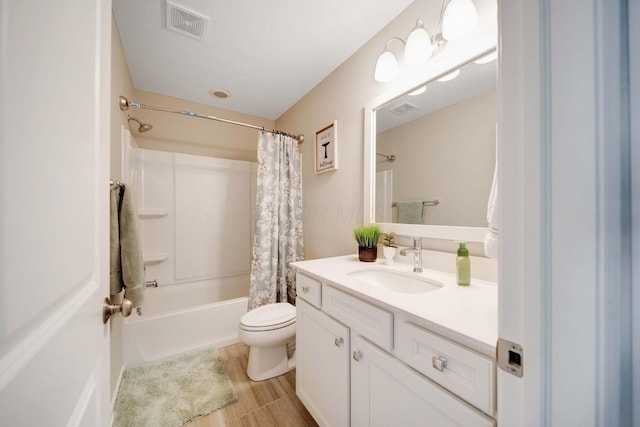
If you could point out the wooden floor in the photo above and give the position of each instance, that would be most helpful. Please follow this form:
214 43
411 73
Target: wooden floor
266 403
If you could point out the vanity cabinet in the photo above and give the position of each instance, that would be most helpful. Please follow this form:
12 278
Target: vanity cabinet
354 368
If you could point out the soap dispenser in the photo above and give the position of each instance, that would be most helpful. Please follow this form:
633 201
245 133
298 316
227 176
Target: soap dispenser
463 265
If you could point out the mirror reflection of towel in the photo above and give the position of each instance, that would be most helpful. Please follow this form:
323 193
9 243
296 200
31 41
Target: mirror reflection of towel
410 212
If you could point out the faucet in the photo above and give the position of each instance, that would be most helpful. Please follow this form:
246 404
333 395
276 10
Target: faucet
417 254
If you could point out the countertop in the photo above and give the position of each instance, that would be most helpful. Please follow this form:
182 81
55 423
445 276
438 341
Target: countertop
467 315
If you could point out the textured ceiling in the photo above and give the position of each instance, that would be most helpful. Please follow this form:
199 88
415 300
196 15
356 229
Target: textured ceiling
267 54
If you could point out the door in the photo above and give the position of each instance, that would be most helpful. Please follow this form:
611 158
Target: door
385 392
564 250
54 151
322 365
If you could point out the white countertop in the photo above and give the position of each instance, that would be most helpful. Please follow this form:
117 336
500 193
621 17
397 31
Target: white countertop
467 315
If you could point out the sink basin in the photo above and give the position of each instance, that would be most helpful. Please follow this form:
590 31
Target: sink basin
396 281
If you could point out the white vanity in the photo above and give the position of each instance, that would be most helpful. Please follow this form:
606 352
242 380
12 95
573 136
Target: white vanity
379 345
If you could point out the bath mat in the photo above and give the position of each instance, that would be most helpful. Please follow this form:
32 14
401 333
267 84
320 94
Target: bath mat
173 392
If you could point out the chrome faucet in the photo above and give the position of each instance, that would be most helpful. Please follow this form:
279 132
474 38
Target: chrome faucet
417 254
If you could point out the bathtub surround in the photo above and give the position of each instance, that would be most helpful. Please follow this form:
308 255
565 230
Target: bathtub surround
126 263
174 392
278 233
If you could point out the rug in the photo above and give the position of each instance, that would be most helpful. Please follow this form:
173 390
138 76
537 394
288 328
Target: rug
173 392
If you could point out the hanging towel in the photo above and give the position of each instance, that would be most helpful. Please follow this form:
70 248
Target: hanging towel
410 212
127 265
491 238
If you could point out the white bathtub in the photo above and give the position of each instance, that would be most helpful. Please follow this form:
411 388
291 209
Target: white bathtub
183 317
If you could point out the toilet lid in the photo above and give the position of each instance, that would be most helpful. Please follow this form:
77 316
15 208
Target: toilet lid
276 314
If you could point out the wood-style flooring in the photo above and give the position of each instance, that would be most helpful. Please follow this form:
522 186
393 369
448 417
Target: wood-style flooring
266 403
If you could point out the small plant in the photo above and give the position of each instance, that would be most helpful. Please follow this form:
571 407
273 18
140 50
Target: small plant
388 239
367 236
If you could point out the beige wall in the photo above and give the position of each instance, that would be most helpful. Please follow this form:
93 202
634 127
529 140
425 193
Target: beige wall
448 155
190 135
333 201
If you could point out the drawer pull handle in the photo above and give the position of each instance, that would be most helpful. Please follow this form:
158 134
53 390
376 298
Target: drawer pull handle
357 355
305 289
339 342
439 363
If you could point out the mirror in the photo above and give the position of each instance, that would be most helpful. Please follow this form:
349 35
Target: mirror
431 155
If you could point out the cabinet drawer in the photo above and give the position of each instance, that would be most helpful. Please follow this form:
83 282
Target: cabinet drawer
309 289
368 320
462 371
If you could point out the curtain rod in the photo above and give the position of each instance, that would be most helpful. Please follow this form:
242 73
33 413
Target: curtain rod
125 104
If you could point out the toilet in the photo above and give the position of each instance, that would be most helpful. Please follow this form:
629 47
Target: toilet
267 330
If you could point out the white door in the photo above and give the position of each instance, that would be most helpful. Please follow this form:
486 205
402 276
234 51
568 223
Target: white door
386 392
322 365
564 276
54 242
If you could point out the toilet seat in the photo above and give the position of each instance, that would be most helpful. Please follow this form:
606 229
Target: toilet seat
269 317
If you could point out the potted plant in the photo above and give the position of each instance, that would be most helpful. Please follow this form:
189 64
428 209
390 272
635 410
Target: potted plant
389 249
367 237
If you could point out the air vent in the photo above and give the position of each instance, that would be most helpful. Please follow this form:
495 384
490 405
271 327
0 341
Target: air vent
404 108
186 22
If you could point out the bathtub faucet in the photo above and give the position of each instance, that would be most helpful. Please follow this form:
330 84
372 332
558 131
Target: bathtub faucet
417 254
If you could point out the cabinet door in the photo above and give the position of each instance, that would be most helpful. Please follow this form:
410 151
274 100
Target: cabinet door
322 365
386 392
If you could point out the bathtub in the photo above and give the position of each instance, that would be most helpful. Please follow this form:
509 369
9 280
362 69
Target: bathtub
182 317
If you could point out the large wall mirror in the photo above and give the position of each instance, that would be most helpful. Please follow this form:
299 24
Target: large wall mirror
431 154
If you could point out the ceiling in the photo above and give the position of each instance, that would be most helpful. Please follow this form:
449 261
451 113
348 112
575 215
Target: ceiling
266 54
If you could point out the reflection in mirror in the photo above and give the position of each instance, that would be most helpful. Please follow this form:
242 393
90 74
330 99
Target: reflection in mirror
435 150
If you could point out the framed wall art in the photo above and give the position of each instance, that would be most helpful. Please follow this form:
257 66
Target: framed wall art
327 149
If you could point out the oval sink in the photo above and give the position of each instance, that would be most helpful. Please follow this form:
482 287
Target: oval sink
396 281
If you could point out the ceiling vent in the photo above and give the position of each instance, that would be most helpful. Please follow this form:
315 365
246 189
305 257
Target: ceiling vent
186 22
404 108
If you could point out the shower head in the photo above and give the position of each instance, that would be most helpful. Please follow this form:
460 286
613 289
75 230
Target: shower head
388 157
144 127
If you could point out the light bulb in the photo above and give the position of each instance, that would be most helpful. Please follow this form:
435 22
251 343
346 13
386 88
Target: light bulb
418 48
386 67
459 18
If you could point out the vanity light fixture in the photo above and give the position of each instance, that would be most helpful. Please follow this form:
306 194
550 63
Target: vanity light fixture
457 18
387 64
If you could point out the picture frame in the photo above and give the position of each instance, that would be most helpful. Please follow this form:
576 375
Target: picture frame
326 149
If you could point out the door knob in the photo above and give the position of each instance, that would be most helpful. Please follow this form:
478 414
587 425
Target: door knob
109 309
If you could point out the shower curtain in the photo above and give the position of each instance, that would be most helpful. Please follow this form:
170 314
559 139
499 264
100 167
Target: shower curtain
278 234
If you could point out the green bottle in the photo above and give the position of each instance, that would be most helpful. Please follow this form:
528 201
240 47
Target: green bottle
463 265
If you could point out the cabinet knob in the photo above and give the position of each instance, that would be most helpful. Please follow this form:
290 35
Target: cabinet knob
439 363
338 342
305 289
357 355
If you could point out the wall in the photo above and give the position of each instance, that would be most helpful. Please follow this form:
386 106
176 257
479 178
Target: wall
333 201
441 157
190 135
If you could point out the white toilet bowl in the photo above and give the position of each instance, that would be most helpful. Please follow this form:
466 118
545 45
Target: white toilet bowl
267 330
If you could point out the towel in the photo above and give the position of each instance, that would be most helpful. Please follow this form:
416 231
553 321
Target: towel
491 238
126 262
410 212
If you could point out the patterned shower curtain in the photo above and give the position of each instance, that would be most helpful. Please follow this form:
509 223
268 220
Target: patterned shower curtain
278 235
